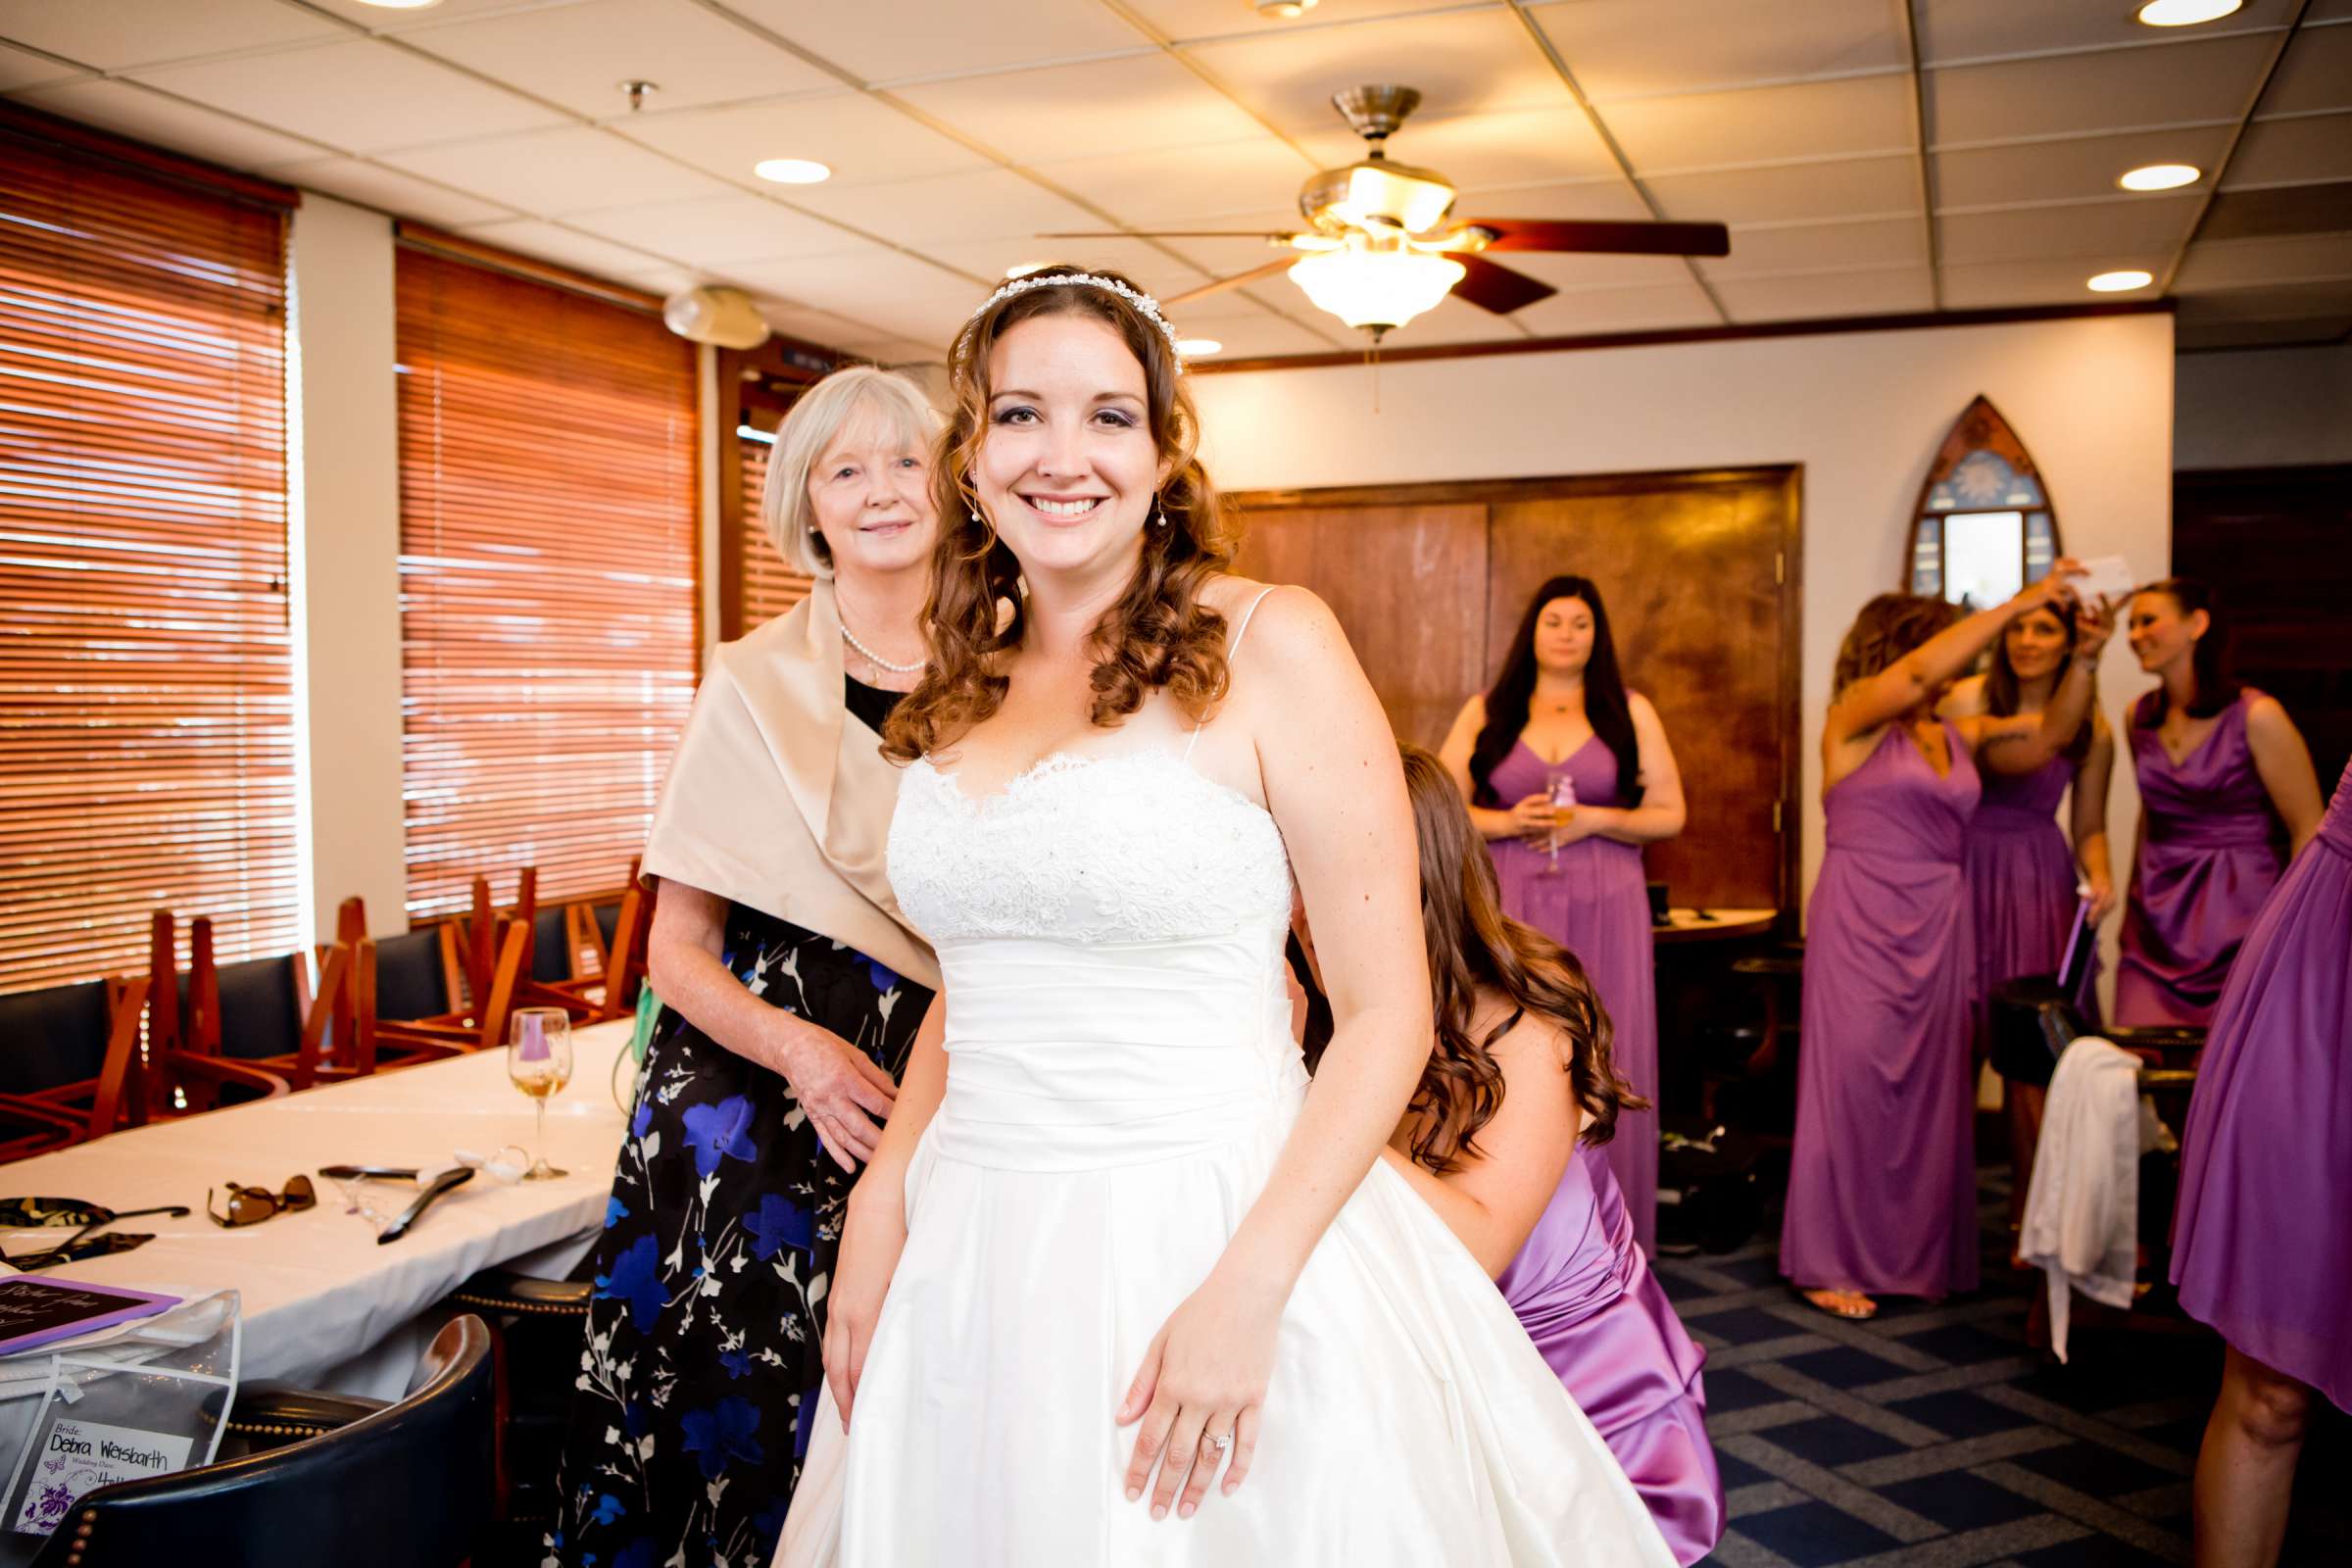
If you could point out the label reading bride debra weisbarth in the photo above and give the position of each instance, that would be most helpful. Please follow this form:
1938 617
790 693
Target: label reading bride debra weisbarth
80 1456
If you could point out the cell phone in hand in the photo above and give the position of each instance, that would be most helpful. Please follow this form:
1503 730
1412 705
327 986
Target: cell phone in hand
2104 579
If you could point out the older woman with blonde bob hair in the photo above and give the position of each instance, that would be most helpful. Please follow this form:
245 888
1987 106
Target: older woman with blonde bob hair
1114 1251
792 993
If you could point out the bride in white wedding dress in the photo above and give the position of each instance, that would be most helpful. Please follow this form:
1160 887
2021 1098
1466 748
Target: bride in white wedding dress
1118 1288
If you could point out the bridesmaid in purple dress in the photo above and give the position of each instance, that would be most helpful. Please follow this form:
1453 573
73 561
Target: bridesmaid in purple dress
2022 875
2220 769
1881 1185
1560 718
1523 1059
2260 1246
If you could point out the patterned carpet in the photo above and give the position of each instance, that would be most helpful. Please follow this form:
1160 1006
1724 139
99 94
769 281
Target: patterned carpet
1935 1437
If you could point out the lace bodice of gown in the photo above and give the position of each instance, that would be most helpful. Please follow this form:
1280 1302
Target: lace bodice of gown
1088 848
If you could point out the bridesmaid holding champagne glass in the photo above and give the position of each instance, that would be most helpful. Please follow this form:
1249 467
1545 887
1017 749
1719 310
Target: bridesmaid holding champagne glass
1567 774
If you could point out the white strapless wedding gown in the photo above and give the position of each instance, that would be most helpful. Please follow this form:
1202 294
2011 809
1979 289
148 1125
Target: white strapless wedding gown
1120 1078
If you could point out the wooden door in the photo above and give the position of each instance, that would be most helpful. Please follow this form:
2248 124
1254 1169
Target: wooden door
1699 575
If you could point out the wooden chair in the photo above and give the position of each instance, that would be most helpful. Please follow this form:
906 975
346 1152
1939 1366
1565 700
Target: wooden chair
178 1074
263 1011
613 994
477 1028
61 1039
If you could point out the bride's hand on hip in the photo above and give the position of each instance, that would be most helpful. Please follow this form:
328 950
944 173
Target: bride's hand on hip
845 1093
873 1235
1198 1394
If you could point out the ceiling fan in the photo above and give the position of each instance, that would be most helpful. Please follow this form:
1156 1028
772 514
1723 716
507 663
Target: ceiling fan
1382 246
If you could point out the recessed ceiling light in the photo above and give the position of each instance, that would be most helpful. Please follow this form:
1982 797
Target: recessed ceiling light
1285 8
2185 13
2161 176
401 5
1193 348
2123 283
1024 268
792 171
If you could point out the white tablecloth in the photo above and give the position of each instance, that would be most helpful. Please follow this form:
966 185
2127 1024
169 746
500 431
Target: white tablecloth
323 1301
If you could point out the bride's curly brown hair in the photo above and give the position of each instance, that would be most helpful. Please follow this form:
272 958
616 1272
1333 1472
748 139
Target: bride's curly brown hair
1158 637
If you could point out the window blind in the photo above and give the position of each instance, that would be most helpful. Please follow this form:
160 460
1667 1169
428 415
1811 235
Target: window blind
769 587
146 677
547 505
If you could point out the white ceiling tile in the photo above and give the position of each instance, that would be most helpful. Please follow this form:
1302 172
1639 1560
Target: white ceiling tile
20 69
976 203
1620 310
1884 242
2075 168
1150 268
443 12
1169 184
1191 20
1452 321
1109 106
1473 63
2147 224
1610 200
821 327
1517 147
2049 281
1764 124
1967 29
2279 302
2179 84
889 40
552 172
2244 263
707 230
1251 331
1826 296
578 55
888 289
358 96
1570 271
134 111
664 278
2329 10
598 257
2290 152
1872 186
1647 48
2315 75
1244 248
860 138
112 34
389 190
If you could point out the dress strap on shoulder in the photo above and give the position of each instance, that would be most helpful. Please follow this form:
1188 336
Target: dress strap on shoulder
1231 647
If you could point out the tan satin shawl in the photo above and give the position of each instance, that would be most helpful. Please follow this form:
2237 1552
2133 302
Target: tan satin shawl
778 797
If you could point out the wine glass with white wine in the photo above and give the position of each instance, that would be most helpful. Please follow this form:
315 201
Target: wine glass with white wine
539 1061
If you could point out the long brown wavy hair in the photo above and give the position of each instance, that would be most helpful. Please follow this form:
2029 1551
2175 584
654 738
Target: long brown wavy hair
2003 691
1887 627
1472 946
1158 637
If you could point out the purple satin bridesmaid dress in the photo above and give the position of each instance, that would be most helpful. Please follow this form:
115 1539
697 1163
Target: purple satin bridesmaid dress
2022 875
1587 1298
2207 859
1596 906
1883 1181
2261 1249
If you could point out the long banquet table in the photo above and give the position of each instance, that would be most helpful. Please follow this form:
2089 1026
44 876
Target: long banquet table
319 1292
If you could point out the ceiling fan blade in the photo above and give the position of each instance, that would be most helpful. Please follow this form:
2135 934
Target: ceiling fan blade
1625 240
1493 286
1280 264
1269 235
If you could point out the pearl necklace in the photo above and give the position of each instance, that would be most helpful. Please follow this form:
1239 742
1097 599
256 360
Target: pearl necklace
873 658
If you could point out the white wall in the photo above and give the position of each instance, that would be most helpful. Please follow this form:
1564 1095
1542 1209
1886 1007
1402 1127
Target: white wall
346 479
1863 413
2260 408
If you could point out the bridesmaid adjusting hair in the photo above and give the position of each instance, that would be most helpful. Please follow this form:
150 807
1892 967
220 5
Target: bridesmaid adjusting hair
1568 774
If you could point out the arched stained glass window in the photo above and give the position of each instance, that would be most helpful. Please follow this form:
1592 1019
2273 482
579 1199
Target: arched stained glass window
1985 527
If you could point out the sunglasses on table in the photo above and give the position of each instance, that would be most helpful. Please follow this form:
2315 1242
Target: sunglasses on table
85 1244
250 1206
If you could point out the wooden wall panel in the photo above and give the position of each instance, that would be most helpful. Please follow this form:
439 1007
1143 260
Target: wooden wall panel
1408 583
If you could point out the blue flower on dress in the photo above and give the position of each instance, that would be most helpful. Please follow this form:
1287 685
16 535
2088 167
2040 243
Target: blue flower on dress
722 1129
883 978
614 1212
737 1361
608 1509
636 1279
644 1117
726 1432
778 1223
638 1553
768 1525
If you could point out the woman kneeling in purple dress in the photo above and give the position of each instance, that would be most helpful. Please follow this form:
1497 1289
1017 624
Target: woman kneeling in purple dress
1522 1061
1882 1185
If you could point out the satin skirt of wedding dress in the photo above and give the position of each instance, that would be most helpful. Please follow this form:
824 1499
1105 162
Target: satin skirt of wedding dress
1112 1109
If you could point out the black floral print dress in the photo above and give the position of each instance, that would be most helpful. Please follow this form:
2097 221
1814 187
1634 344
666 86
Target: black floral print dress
705 1337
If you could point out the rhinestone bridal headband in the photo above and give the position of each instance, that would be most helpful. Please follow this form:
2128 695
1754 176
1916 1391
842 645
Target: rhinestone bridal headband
1143 303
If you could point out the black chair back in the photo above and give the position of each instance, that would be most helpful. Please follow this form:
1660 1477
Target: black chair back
410 982
608 920
257 1012
551 947
407 1487
2032 1021
52 1037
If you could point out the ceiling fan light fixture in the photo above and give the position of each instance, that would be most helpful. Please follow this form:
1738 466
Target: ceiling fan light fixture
1194 348
2122 281
1285 8
792 171
1375 193
2185 13
1376 289
2160 176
